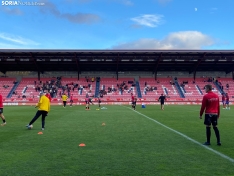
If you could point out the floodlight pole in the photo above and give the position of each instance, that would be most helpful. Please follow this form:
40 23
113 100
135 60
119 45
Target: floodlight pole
38 69
117 68
156 67
77 66
198 63
38 75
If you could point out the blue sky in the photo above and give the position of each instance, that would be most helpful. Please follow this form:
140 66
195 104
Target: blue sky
117 24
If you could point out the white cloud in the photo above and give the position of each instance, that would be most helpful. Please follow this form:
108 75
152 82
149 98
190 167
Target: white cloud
163 1
176 40
80 18
128 2
124 2
13 46
12 11
17 39
8 46
148 20
79 1
214 8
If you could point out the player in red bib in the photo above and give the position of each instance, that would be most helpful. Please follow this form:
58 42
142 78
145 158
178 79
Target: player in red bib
210 104
132 99
134 103
1 111
71 100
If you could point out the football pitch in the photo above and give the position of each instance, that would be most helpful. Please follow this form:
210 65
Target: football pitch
118 141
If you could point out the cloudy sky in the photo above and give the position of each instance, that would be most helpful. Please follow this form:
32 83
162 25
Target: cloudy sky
117 24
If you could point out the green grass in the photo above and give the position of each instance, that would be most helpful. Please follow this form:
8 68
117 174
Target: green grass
129 144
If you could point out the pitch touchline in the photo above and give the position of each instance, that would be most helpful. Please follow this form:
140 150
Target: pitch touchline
190 139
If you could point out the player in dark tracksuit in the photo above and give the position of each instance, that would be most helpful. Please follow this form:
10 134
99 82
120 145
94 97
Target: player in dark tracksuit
210 104
162 98
99 102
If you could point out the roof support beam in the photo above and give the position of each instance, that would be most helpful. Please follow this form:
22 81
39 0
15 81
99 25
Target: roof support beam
38 76
117 68
195 68
156 67
38 69
77 67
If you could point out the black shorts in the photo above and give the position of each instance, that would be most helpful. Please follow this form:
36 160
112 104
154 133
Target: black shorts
1 110
162 102
134 103
99 101
87 102
211 119
71 101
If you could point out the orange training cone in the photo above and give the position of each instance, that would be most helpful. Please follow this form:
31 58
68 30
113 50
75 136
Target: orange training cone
82 145
40 132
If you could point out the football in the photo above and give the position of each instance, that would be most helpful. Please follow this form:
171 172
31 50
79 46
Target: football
30 127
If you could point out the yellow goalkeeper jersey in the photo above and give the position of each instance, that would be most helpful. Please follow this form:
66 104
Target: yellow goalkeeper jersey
64 97
44 104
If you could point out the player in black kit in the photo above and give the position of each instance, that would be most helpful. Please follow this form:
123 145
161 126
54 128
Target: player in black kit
162 98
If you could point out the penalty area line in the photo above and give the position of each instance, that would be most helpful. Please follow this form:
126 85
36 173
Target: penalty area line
186 137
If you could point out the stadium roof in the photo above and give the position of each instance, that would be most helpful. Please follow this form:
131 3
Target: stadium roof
116 60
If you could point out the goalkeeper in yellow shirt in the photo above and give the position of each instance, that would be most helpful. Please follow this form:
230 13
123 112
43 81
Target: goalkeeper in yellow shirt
43 106
64 98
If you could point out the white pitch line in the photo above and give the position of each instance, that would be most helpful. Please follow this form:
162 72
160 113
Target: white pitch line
186 137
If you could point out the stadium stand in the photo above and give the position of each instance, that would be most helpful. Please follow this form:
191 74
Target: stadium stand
79 68
6 86
120 89
115 90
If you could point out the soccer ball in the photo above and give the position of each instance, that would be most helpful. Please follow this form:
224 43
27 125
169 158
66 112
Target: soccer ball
30 127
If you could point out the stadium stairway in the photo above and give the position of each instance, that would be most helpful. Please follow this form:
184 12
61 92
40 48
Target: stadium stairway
13 89
198 88
218 87
97 88
184 91
138 89
165 91
179 89
25 89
